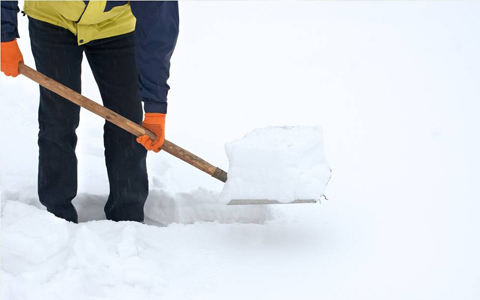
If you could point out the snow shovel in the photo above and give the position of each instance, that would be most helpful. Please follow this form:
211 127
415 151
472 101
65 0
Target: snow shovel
137 130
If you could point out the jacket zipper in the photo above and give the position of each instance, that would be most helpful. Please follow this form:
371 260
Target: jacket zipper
83 12
76 27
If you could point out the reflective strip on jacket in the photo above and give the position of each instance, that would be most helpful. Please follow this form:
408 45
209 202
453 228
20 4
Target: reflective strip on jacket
155 24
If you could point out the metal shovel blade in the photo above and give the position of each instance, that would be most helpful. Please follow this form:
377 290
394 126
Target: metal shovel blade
265 201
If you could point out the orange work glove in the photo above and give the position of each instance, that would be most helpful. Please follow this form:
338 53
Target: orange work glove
11 57
155 122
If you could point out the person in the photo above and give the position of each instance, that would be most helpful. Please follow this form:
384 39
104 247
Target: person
128 46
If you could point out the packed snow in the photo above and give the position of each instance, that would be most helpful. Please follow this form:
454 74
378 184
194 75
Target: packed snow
277 163
394 85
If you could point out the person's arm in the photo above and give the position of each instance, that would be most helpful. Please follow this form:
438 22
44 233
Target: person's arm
11 54
156 34
9 20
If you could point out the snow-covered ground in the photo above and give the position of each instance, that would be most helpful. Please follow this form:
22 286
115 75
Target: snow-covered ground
395 86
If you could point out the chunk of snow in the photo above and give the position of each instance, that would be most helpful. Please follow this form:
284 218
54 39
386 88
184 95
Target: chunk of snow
277 163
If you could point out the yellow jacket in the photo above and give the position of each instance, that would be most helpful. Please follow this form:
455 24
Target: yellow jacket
155 23
97 20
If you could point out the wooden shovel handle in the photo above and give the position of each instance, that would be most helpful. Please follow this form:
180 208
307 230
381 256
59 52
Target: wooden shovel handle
120 121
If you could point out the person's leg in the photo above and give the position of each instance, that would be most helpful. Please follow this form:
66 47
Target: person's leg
113 64
58 56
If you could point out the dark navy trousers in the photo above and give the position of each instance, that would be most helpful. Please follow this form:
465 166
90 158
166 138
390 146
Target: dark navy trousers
112 61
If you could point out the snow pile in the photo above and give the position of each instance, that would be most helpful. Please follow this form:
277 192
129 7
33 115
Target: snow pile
277 163
107 260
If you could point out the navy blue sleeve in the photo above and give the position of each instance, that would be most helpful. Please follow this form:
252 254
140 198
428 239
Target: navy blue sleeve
9 20
156 34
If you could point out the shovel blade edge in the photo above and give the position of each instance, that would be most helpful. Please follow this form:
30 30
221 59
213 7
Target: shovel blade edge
265 201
